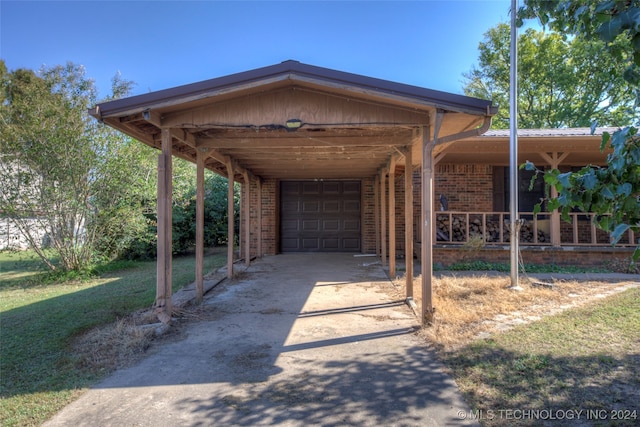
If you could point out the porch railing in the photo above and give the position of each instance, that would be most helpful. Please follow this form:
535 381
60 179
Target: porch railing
493 228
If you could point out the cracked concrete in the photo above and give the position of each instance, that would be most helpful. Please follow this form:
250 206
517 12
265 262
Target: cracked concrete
296 340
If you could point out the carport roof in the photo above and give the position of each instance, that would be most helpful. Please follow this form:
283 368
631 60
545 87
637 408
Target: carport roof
351 124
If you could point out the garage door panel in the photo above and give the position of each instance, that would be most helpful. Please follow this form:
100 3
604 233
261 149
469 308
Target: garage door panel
290 245
310 187
331 206
310 207
331 225
331 244
311 225
332 187
351 244
320 216
291 206
352 206
290 187
291 225
310 244
351 225
352 187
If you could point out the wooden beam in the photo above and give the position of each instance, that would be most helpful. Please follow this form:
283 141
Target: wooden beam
230 220
281 141
383 217
226 160
376 211
408 221
259 215
164 255
200 158
181 135
247 219
428 215
392 217
554 159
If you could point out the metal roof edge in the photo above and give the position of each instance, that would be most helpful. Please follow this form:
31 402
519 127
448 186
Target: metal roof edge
549 132
290 69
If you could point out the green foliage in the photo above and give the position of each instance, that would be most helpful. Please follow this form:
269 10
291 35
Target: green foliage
48 147
561 82
144 244
215 215
608 21
611 192
89 187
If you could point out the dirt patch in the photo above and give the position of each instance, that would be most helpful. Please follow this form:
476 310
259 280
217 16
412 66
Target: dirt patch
116 345
476 306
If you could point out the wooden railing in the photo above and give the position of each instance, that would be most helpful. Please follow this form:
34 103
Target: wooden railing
493 228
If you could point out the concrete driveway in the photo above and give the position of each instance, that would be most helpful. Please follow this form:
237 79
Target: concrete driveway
295 340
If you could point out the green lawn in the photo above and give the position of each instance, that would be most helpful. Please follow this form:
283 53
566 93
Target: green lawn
585 359
39 373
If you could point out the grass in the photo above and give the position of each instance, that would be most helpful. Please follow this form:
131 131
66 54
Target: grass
572 347
529 268
41 370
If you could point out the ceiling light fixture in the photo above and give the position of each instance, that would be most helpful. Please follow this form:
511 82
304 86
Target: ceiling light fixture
293 124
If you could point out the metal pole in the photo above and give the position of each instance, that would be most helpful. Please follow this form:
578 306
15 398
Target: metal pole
513 147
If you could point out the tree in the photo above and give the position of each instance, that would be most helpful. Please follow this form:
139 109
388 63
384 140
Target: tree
61 171
562 83
612 192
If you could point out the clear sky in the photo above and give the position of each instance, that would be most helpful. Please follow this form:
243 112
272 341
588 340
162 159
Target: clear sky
162 44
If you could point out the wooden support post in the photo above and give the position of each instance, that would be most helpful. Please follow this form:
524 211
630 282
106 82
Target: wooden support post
200 157
247 218
408 221
428 216
164 254
392 218
259 216
554 160
376 211
383 218
230 220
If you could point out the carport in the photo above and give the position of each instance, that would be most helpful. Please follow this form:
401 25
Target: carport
290 128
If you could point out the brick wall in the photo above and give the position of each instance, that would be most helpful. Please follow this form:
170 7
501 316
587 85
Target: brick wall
567 256
467 187
367 187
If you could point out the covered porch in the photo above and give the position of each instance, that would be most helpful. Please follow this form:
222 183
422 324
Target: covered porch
472 185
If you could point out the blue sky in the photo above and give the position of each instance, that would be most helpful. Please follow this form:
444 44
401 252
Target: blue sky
162 44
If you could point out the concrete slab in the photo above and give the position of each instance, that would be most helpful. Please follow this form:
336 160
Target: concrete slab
295 340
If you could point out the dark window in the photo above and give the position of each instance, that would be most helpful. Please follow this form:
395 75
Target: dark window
527 197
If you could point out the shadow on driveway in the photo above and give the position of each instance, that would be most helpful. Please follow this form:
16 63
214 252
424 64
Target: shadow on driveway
295 340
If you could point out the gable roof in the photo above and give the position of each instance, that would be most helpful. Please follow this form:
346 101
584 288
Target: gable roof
294 71
352 124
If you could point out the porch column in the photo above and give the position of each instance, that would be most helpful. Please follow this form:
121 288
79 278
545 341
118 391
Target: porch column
428 216
259 214
392 218
554 159
247 218
408 220
376 211
383 219
230 222
164 250
200 157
